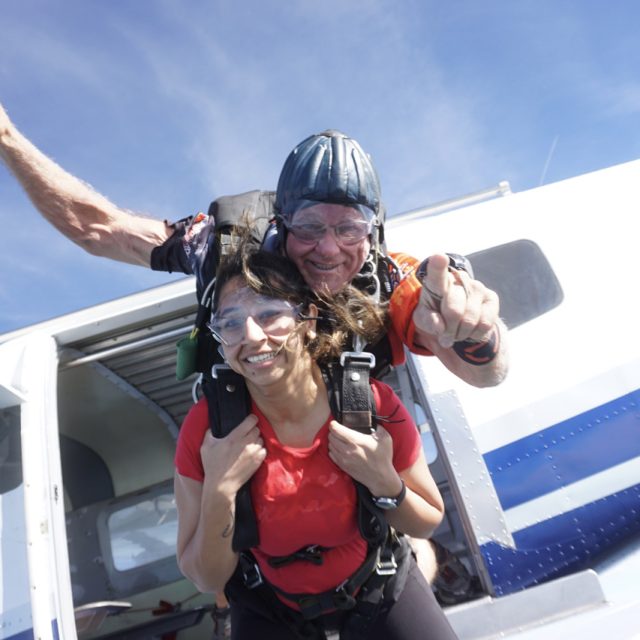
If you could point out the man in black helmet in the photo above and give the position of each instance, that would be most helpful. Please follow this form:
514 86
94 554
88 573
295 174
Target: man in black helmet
329 221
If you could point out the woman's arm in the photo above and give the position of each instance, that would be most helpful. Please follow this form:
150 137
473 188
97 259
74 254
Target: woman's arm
206 510
422 509
369 460
205 528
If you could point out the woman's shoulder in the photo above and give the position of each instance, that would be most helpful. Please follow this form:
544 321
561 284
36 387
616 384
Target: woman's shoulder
196 421
396 419
198 413
383 393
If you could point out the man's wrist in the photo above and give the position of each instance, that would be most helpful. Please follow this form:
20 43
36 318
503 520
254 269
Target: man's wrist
479 353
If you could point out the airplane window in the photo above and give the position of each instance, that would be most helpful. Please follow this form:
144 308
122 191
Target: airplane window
144 532
523 278
10 450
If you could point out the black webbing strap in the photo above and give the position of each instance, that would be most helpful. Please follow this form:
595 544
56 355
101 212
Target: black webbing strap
351 394
377 568
356 390
229 404
311 553
342 598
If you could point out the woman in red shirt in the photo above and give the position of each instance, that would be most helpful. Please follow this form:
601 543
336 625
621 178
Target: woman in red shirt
302 465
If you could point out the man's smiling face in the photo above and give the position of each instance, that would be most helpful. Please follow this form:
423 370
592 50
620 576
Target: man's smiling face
327 264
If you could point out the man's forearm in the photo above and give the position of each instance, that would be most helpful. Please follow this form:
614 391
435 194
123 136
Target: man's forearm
75 208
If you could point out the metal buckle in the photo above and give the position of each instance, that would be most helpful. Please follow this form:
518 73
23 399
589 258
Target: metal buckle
358 356
341 586
387 567
219 367
342 599
252 578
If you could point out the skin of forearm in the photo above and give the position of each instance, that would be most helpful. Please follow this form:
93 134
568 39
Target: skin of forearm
421 511
208 560
76 209
415 516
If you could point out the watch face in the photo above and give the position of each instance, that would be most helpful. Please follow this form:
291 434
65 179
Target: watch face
386 503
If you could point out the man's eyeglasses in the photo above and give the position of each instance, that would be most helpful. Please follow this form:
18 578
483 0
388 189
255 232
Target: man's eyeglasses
274 317
348 232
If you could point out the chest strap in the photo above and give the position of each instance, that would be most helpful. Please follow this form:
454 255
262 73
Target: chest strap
379 565
312 553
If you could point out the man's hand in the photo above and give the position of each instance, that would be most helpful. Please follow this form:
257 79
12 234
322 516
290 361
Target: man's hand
453 306
230 461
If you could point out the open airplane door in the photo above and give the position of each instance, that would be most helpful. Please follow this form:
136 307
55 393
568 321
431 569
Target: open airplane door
35 589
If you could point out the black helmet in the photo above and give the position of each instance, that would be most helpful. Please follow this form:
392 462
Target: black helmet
328 167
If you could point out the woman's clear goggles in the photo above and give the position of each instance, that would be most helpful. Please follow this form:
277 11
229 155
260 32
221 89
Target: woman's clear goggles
274 317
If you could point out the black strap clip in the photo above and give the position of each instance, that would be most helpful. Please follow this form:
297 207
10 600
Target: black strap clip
251 575
342 599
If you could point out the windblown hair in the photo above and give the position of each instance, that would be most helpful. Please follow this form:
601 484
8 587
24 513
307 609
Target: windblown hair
342 315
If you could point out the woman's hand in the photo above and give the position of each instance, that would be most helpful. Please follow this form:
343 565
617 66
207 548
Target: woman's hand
230 461
368 459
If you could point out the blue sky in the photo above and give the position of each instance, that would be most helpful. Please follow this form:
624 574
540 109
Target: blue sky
163 105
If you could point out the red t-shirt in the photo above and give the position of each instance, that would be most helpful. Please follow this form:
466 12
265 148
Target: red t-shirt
302 498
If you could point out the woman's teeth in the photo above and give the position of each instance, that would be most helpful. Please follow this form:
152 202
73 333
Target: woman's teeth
262 357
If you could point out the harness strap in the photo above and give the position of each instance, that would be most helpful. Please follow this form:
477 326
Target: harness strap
350 393
341 598
231 405
379 565
312 553
356 390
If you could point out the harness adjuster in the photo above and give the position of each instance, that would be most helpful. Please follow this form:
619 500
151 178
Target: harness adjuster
252 576
342 599
358 357
387 566
219 367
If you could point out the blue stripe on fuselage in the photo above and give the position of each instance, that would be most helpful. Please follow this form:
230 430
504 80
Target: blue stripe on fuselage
564 453
27 634
564 543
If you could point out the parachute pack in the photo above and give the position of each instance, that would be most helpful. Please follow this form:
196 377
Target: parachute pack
204 239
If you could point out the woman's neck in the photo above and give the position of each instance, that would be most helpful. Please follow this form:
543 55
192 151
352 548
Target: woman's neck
295 404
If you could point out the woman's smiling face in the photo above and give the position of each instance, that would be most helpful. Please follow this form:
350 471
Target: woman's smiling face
265 339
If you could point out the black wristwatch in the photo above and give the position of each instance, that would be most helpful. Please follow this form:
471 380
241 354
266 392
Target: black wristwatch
385 503
456 261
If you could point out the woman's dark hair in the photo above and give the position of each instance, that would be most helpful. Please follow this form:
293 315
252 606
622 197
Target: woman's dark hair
344 314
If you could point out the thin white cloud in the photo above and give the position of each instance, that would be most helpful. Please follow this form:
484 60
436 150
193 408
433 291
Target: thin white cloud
32 47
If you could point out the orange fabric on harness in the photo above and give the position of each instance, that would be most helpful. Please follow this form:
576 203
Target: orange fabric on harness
404 300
